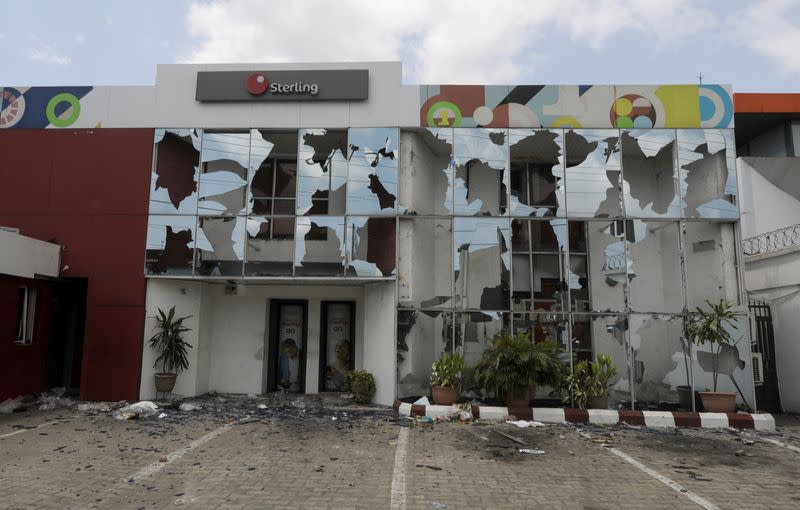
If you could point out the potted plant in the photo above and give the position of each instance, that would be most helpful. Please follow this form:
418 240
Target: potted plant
588 383
711 326
172 352
361 384
446 378
513 365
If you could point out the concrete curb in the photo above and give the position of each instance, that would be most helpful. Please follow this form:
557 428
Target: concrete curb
655 419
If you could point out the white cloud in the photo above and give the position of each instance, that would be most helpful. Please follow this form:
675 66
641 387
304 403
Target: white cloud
80 38
48 54
109 20
766 28
450 41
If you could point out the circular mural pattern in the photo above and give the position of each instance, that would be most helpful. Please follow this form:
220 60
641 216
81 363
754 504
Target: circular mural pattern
444 114
633 111
12 107
54 118
256 84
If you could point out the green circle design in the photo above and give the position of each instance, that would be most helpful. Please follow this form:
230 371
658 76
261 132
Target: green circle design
444 105
624 122
58 99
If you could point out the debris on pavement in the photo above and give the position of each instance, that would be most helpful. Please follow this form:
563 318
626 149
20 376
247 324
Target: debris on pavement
507 436
434 504
141 409
186 406
525 424
422 401
10 405
531 451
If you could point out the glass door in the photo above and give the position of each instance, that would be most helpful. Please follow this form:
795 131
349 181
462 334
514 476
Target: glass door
337 344
288 346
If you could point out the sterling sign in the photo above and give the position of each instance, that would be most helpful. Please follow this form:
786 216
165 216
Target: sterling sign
332 85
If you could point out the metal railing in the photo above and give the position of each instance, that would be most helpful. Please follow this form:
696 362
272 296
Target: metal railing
772 241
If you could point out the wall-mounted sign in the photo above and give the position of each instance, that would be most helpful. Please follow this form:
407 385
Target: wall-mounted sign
333 85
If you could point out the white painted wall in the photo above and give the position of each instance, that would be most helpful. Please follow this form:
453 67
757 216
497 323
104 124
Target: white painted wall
229 333
764 206
379 344
27 257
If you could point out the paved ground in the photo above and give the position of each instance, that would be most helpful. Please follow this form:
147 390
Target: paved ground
234 455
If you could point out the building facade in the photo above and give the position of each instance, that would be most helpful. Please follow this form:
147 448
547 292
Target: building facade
312 219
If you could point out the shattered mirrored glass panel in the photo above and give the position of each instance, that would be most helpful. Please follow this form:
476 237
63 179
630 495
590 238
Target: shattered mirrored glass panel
598 280
710 254
650 184
654 269
422 337
270 246
223 172
170 244
272 181
474 332
481 262
660 361
607 334
425 259
733 363
319 246
370 246
537 172
593 173
707 173
322 172
481 171
173 183
220 246
372 171
426 175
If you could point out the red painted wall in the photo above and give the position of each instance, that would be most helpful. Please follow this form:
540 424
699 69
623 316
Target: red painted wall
88 190
22 367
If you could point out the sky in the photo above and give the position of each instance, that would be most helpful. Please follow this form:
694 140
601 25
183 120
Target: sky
753 45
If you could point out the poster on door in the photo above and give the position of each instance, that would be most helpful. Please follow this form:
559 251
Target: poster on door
338 349
290 344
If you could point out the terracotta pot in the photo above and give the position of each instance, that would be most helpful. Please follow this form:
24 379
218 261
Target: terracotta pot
718 402
165 382
685 398
445 395
598 402
519 398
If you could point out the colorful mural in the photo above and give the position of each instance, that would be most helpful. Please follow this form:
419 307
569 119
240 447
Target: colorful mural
40 107
577 106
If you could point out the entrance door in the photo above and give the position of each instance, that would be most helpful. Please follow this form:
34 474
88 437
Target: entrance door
287 346
337 343
65 345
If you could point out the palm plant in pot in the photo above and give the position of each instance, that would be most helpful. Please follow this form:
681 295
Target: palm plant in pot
446 378
513 365
588 383
713 326
172 351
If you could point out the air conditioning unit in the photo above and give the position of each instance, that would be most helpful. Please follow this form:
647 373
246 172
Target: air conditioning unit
758 368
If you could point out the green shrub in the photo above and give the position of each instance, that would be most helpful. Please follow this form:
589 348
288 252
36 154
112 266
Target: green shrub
589 380
446 371
513 363
361 384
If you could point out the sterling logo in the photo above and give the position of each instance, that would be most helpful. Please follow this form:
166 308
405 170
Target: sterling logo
257 84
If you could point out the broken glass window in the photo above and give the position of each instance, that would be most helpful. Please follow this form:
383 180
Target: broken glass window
710 254
319 246
322 172
372 171
481 172
593 173
273 173
537 172
648 168
170 244
270 246
427 171
603 287
425 260
657 352
654 272
422 337
607 334
539 250
370 246
481 262
220 246
223 172
173 184
707 159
